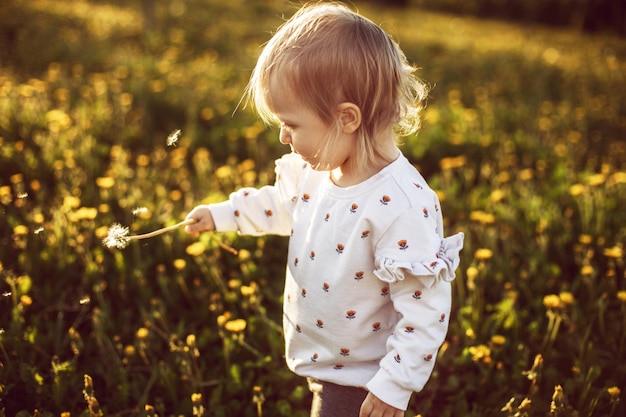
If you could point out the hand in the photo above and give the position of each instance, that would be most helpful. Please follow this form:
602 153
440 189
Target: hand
204 221
374 407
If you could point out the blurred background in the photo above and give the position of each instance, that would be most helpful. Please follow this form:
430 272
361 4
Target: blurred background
126 112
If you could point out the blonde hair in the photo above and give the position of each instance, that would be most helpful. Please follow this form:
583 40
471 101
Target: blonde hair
329 54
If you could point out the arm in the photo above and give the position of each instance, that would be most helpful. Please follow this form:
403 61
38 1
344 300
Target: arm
253 211
419 273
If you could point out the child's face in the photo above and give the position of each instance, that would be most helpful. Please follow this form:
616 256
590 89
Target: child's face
303 129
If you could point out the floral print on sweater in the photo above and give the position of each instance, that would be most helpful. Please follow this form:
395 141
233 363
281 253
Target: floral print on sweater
367 291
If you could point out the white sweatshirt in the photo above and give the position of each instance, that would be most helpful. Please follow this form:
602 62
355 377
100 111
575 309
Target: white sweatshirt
367 292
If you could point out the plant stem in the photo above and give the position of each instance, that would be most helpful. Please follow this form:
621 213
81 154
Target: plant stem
176 226
162 230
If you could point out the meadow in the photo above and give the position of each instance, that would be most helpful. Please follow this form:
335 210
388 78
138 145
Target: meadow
106 119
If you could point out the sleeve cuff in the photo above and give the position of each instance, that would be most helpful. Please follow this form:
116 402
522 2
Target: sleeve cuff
383 387
224 217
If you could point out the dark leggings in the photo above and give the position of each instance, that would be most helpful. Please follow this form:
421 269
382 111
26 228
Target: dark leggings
332 400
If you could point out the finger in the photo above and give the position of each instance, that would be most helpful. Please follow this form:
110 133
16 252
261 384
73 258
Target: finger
191 230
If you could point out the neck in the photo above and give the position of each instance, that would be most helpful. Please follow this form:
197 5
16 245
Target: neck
347 175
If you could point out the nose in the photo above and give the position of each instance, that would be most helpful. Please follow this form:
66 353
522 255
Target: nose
284 137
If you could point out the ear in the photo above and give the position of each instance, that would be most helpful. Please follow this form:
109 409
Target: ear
349 117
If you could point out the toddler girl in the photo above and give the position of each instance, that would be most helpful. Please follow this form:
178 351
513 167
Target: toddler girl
367 291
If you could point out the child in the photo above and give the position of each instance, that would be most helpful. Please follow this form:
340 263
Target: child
367 292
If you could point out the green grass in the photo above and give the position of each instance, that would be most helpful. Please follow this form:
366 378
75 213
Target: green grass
523 137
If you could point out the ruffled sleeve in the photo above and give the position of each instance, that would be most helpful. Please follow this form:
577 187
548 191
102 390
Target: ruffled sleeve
442 265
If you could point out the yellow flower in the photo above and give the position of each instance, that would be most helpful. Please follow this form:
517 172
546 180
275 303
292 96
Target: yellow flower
566 298
191 340
586 270
207 113
143 160
244 254
577 189
525 404
247 290
195 249
614 252
552 301
58 120
482 217
480 353
105 182
101 232
503 177
176 195
83 213
16 178
453 162
526 174
180 264
223 318
236 326
25 300
596 179
585 239
471 272
129 351
431 115
20 230
142 333
234 283
196 397
126 99
224 171
621 295
498 339
71 202
619 178
614 392
483 254
496 196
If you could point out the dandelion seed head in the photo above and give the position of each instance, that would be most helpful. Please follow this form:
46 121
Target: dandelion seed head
22 194
38 230
117 237
140 210
173 137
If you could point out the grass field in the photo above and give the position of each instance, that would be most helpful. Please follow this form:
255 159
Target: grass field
524 138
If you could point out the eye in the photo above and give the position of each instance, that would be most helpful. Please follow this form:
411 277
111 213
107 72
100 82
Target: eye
286 126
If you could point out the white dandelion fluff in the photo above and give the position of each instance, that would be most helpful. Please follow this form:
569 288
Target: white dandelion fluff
139 210
117 237
173 137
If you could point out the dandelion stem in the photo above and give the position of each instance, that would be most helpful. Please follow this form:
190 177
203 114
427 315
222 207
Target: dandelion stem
118 236
162 230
